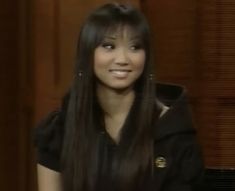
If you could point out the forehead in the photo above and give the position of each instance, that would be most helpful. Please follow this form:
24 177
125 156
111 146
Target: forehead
123 32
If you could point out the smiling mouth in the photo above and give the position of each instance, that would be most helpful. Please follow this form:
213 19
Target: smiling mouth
120 73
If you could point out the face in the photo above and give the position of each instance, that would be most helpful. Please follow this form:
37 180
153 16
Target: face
119 60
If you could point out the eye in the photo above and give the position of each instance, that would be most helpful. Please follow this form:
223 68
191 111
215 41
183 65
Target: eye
108 46
136 47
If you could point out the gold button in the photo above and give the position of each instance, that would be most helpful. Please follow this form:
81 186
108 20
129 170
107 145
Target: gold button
160 162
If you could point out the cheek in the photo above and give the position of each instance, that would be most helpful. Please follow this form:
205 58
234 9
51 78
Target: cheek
102 57
98 58
139 60
100 61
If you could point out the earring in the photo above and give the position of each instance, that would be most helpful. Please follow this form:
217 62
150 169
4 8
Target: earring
80 74
151 76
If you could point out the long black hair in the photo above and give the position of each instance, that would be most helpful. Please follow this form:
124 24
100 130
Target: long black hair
84 119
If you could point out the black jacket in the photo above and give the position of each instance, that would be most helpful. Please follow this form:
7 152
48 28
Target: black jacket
177 161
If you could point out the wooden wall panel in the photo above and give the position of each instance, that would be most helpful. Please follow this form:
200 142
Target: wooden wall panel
225 121
173 26
26 95
217 38
9 154
195 46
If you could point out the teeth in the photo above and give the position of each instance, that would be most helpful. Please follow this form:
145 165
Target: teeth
120 73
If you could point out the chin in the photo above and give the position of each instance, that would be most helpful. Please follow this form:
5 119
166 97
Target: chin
120 87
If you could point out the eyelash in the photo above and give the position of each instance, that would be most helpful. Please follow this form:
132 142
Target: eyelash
110 46
137 47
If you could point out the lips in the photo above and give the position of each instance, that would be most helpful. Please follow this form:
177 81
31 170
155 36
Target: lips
120 73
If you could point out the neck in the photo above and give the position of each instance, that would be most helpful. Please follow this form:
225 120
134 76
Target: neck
113 102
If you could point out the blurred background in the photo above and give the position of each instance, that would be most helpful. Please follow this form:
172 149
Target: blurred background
194 46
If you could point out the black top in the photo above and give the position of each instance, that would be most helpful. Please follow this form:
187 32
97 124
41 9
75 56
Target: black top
178 163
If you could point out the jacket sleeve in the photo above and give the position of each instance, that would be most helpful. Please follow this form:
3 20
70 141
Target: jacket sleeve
48 137
188 168
48 140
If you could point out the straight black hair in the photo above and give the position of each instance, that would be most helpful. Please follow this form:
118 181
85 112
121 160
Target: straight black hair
84 119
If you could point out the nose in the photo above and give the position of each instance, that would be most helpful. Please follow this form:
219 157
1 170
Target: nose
122 57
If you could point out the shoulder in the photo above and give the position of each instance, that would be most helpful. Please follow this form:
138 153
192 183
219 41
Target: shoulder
50 129
48 136
176 116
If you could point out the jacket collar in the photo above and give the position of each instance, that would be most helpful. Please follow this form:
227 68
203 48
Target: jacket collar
177 119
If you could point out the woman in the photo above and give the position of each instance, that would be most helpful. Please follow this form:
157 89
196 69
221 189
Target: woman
117 130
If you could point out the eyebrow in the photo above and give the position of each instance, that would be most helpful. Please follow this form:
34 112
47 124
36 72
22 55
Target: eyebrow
110 37
137 37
